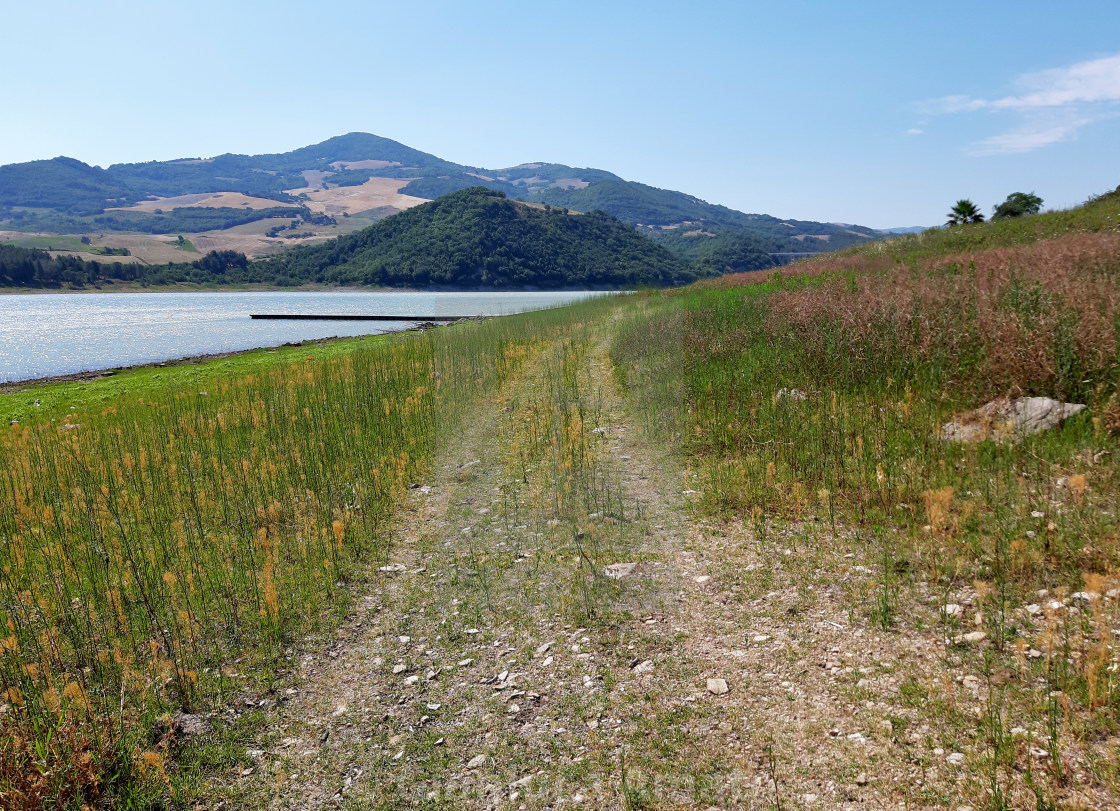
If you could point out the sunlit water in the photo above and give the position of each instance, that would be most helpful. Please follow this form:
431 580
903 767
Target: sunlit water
56 334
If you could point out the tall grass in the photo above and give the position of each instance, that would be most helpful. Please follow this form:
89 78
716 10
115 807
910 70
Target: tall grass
818 396
157 556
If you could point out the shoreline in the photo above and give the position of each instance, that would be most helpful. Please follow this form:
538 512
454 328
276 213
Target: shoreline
124 289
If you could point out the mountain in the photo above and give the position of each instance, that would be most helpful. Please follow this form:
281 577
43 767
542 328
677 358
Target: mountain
909 229
260 204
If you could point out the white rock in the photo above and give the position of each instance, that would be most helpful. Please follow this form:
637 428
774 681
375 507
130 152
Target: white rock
644 667
476 762
956 758
617 571
717 686
953 610
790 394
1009 419
703 578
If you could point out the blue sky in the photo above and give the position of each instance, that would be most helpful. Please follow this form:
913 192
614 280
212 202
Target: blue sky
879 113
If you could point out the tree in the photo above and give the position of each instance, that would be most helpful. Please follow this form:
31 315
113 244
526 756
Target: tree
965 211
1018 204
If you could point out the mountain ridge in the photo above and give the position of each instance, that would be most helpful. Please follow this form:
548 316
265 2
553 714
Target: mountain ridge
320 186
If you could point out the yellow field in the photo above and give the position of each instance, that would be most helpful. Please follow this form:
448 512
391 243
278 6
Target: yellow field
376 192
222 199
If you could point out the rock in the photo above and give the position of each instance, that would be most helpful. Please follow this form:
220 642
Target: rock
644 667
790 394
617 571
399 669
717 687
956 758
861 779
187 725
476 762
953 610
392 567
1005 419
760 638
972 638
543 649
412 680
703 579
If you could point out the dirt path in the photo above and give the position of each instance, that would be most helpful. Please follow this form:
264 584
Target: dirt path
495 665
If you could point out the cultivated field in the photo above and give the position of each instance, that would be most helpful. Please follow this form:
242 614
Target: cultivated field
224 199
377 192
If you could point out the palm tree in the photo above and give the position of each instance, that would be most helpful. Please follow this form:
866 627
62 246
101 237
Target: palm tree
964 211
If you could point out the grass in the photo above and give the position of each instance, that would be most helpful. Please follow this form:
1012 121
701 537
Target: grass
818 394
163 542
163 539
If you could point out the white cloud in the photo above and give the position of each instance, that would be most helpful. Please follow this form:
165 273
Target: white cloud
914 131
1055 104
1027 139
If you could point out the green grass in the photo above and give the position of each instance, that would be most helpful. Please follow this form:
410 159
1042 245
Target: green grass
57 398
887 344
53 243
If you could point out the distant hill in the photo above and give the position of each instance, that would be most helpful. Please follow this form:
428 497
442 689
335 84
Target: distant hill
350 181
470 239
480 238
910 229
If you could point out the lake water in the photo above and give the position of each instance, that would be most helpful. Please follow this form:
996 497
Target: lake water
55 334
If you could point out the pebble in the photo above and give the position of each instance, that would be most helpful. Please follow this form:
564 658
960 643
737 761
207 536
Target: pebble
398 669
956 758
412 680
703 578
476 762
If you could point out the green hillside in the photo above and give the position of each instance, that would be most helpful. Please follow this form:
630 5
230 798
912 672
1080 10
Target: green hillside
66 196
479 238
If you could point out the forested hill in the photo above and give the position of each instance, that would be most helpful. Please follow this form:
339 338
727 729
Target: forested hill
478 237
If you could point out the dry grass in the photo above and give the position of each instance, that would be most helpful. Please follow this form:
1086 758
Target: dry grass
222 199
377 192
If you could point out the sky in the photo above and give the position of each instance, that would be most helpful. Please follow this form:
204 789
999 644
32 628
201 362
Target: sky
877 113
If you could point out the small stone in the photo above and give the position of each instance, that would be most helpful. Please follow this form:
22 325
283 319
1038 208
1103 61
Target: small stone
861 779
717 687
466 662
476 762
703 579
398 669
863 684
543 649
953 610
1034 654
972 638
644 667
404 640
340 711
956 759
760 638
412 680
617 571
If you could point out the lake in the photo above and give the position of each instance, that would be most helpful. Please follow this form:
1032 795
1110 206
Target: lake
43 335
